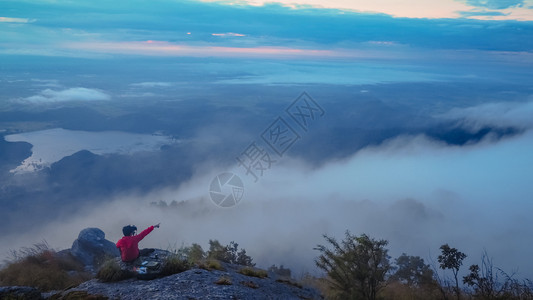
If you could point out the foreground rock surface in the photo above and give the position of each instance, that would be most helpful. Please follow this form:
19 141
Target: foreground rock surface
198 284
20 292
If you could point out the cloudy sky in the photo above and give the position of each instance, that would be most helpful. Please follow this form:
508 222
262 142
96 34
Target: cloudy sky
425 137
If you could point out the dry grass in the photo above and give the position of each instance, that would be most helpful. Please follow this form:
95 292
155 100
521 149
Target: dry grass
289 282
250 284
43 268
211 264
320 284
224 280
249 271
399 291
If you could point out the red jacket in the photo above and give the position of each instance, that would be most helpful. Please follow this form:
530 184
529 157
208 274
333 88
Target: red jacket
129 245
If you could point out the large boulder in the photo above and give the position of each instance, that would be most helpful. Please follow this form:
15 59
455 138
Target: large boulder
91 248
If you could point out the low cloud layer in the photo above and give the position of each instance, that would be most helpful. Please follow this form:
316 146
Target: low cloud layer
72 94
496 114
412 191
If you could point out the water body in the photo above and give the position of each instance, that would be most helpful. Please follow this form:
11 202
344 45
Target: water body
52 145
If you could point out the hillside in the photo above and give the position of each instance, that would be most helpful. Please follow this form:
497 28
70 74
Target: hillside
197 284
92 269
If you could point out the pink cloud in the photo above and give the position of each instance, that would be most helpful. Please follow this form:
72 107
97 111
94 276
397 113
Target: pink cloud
162 48
227 34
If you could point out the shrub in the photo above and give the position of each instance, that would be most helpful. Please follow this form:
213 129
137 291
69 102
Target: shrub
111 272
229 253
196 253
356 267
43 268
174 264
248 271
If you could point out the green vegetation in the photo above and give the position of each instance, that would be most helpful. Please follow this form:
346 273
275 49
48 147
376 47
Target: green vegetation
174 264
229 253
43 268
196 253
110 271
358 267
216 255
451 258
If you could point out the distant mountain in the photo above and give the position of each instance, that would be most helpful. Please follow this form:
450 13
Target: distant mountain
12 154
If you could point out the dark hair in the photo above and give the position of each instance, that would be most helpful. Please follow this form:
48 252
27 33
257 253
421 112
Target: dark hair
128 230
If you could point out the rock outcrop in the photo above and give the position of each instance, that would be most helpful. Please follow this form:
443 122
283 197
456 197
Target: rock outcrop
20 292
199 284
146 267
147 280
91 247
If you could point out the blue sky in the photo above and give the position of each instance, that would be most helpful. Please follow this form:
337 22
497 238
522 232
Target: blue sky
329 42
189 28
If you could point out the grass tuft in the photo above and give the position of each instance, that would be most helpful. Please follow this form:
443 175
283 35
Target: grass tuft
250 284
174 264
289 282
224 280
211 264
110 271
249 271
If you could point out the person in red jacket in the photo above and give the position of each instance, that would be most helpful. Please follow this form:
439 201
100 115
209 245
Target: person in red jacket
129 243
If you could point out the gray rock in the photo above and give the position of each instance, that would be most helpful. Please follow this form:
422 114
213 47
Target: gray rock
91 247
200 284
20 292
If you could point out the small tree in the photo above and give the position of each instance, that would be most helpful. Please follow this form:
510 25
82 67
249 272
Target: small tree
413 271
356 267
489 282
229 253
451 258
